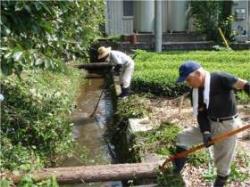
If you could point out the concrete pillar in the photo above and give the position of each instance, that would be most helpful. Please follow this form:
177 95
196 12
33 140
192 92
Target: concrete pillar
158 25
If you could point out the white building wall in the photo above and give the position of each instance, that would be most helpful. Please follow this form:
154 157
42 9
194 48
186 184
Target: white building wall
128 23
116 23
144 17
144 12
177 15
114 13
174 17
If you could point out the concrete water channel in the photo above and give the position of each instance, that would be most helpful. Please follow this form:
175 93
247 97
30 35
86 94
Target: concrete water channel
89 132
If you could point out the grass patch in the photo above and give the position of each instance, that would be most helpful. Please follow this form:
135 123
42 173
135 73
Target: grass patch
160 141
132 107
157 72
199 157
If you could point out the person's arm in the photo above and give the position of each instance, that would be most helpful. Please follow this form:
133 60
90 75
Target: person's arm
242 85
231 82
203 120
205 126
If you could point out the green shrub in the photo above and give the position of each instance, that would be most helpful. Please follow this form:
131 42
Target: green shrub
157 72
209 15
132 107
27 181
35 124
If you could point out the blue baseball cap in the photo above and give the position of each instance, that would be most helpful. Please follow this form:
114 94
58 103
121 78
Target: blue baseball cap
186 68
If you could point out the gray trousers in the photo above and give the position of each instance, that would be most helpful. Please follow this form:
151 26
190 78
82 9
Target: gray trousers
223 152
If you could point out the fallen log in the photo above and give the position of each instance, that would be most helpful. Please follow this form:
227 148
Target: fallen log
67 175
96 65
112 172
94 75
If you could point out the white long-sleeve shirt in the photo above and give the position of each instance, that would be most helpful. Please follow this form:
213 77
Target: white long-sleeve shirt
117 57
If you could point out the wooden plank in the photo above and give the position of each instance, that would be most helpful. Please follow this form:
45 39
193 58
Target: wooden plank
93 173
97 65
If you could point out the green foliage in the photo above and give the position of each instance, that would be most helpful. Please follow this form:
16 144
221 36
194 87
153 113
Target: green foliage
157 72
198 158
210 174
237 174
243 97
5 183
237 171
35 35
168 178
132 107
27 181
210 15
160 140
46 33
35 126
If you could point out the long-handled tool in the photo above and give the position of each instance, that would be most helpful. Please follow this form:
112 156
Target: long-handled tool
93 113
216 139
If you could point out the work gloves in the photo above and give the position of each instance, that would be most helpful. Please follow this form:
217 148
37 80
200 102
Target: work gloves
117 69
207 137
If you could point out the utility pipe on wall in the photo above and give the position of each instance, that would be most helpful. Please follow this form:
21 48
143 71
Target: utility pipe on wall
158 25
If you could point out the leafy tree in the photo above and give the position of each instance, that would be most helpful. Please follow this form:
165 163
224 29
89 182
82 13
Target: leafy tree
211 14
46 33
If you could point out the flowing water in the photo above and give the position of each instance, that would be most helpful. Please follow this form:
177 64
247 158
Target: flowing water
89 132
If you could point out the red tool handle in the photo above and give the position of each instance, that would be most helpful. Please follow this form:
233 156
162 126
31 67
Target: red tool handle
216 139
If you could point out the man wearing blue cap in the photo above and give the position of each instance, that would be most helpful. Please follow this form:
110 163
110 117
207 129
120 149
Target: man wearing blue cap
214 106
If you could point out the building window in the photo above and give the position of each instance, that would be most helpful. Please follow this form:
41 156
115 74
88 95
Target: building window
128 8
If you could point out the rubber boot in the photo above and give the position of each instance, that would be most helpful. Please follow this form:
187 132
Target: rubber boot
220 181
179 162
124 93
